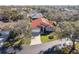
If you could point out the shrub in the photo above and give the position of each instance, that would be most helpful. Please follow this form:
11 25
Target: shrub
49 17
51 37
20 17
13 34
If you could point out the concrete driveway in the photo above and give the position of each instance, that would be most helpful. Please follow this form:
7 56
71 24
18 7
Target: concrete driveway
35 40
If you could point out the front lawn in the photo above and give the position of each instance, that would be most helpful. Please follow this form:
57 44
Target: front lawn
45 38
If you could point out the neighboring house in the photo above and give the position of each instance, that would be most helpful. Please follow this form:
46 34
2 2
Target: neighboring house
40 25
3 18
36 15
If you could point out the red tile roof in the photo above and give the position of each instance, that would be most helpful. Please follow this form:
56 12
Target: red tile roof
41 21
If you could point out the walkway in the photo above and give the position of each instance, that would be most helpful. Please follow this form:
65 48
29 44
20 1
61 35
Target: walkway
35 40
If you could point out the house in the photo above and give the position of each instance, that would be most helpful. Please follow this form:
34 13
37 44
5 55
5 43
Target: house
41 25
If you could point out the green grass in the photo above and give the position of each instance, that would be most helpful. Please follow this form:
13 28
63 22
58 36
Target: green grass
45 38
25 41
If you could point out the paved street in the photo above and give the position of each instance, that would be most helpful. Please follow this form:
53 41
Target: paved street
34 49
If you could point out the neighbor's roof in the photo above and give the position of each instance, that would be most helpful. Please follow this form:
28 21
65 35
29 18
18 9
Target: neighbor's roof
2 15
36 15
41 21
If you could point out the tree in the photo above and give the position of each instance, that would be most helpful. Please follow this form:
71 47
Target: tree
70 31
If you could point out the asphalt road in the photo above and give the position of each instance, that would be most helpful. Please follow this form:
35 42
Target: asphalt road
35 49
